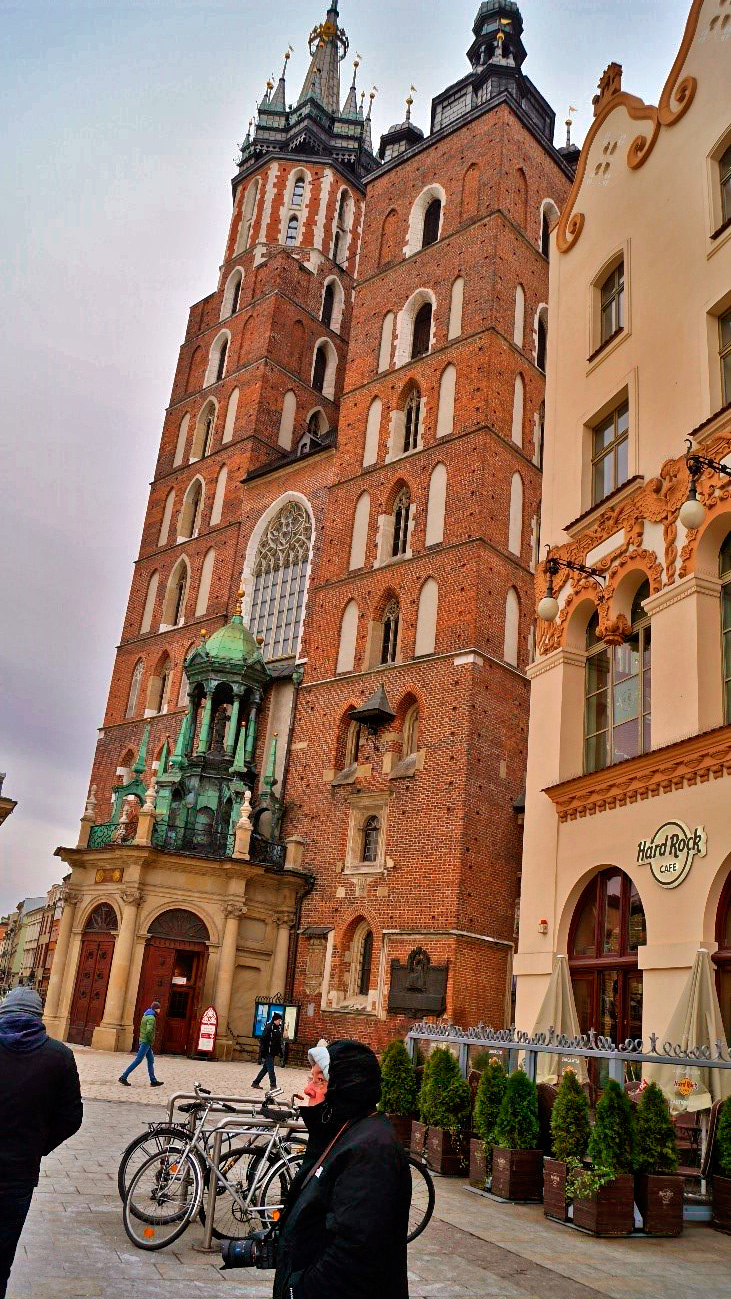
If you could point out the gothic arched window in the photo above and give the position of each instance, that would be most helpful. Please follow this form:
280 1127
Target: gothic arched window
298 192
292 229
235 296
412 421
134 689
366 961
432 219
319 369
401 514
280 581
221 368
327 304
422 331
389 643
371 835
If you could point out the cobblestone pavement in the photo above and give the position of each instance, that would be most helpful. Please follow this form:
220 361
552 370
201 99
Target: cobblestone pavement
74 1245
99 1071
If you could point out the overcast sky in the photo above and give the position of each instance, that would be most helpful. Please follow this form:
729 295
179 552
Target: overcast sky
120 122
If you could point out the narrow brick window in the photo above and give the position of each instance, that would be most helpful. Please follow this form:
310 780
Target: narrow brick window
412 421
401 516
432 221
292 230
422 331
327 305
298 192
371 835
319 368
235 297
389 642
366 961
221 367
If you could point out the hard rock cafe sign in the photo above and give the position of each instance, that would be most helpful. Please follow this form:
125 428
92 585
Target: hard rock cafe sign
671 851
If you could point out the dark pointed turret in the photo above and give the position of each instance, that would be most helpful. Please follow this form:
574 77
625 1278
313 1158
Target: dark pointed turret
328 45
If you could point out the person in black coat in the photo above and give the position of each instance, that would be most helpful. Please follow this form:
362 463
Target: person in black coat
40 1107
342 1234
270 1045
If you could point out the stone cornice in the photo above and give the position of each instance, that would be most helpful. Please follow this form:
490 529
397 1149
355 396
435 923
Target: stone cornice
688 762
693 584
556 659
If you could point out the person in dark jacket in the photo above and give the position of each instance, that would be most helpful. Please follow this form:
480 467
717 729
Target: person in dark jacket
40 1107
343 1229
269 1046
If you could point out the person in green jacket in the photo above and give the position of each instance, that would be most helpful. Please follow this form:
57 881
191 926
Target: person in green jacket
148 1027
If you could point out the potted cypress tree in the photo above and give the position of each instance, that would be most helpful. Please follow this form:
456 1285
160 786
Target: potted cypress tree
490 1092
399 1090
604 1195
444 1109
570 1132
517 1161
658 1188
722 1177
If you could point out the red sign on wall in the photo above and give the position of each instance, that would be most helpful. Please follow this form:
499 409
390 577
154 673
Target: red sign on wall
208 1030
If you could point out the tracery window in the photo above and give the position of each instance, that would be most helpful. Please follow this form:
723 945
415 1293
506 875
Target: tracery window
402 510
617 708
280 581
412 421
389 642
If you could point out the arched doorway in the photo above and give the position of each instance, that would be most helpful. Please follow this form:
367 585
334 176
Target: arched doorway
722 958
173 970
607 928
92 977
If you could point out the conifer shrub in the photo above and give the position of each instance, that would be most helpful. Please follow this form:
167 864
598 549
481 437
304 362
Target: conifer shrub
444 1098
570 1124
399 1089
723 1141
656 1147
611 1144
516 1127
490 1093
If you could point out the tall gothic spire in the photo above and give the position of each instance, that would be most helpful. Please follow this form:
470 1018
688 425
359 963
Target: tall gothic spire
328 46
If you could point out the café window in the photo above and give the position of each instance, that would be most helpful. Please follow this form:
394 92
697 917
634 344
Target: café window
617 699
607 929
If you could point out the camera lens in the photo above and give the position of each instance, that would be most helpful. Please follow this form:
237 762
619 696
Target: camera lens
238 1253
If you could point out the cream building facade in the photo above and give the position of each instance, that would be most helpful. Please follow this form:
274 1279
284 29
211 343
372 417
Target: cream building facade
627 847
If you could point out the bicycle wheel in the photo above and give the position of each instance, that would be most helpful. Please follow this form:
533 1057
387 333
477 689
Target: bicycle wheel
233 1220
422 1198
272 1193
139 1150
163 1196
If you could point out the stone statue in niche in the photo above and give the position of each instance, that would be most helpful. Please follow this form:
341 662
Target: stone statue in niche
219 730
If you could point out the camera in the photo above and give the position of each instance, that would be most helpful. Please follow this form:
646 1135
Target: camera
257 1250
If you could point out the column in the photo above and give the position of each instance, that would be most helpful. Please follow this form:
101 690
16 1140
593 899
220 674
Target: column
233 911
205 734
106 1034
283 921
233 725
251 729
60 959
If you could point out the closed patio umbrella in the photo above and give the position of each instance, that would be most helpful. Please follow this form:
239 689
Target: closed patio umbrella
696 1022
558 1012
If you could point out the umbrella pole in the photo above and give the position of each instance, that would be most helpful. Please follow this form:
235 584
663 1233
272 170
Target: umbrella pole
704 1143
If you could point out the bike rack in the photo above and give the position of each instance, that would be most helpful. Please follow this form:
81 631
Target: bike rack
234 1124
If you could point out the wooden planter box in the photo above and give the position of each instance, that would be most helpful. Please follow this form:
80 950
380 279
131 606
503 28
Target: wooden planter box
402 1127
517 1174
446 1154
611 1211
478 1162
418 1138
659 1198
721 1203
555 1204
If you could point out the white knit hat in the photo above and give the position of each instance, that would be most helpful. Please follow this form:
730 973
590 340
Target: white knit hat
320 1055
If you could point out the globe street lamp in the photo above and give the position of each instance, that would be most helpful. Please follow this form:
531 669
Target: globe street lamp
693 511
548 606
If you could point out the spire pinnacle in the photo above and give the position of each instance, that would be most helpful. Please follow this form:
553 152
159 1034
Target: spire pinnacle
328 47
279 98
350 107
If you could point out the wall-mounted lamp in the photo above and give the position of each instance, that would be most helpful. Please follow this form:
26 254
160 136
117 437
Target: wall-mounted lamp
543 926
548 606
693 511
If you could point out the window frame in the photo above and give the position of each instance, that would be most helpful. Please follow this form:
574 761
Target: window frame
390 624
612 417
612 300
724 356
725 578
642 627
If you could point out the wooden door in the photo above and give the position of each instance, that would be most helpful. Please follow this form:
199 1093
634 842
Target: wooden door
182 1002
157 971
90 992
166 963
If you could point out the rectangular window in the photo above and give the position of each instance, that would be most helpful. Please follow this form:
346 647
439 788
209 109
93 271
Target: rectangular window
726 616
725 177
724 333
610 455
613 303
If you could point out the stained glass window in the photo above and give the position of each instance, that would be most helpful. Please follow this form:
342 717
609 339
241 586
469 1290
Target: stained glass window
280 581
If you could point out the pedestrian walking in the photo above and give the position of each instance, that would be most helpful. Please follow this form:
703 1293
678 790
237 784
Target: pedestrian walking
345 1221
40 1107
148 1028
269 1046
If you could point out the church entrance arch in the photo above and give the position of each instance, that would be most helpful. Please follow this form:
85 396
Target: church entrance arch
92 978
173 971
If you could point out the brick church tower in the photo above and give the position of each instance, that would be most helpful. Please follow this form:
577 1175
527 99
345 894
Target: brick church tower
309 776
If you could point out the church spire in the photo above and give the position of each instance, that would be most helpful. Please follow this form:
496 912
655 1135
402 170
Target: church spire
350 107
279 98
328 47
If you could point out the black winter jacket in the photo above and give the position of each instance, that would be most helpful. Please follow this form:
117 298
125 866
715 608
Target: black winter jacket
271 1041
40 1105
344 1236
